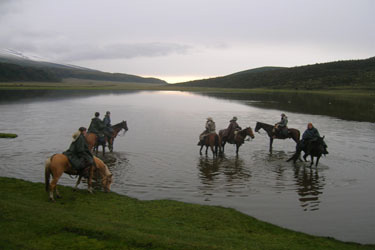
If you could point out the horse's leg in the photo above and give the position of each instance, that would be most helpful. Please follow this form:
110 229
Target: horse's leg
317 161
271 141
237 147
206 149
200 151
212 149
89 182
53 184
312 160
103 149
77 183
305 157
223 145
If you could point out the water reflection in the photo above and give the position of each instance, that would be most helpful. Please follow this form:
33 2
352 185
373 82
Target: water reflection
344 107
309 186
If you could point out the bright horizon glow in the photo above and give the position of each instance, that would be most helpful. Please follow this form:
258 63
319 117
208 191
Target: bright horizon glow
178 79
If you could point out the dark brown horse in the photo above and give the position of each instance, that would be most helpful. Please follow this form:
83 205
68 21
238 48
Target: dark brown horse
92 139
213 141
292 133
239 138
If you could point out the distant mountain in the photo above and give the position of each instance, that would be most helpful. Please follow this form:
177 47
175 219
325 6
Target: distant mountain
352 73
15 66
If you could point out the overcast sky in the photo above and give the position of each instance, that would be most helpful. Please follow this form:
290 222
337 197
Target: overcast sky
188 39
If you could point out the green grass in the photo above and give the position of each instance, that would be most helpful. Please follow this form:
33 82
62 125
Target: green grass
7 135
110 221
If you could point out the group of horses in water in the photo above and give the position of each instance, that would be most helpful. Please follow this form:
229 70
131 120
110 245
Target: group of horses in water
58 164
217 142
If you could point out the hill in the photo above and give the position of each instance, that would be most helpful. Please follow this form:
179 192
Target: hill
351 73
16 67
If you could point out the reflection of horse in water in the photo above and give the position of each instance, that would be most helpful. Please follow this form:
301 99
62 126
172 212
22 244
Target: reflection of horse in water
213 141
292 133
239 138
315 148
58 164
309 187
93 142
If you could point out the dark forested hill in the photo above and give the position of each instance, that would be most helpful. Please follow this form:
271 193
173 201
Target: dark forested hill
15 69
351 73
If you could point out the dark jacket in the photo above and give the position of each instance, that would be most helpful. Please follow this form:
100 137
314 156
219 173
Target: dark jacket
229 132
96 126
107 121
79 154
310 134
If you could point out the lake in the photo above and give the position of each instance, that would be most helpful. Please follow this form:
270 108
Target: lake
158 158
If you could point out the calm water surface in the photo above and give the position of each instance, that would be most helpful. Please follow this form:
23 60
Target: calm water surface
158 158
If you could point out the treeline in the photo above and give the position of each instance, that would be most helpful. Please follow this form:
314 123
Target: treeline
13 73
352 73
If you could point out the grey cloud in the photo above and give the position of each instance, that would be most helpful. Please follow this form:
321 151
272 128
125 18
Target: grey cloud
119 51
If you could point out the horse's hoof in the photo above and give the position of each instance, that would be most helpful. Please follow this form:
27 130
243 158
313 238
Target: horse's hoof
52 200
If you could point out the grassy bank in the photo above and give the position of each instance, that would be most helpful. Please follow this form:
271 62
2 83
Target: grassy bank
7 135
111 221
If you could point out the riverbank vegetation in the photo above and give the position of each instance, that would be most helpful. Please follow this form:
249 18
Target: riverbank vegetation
7 135
348 74
110 221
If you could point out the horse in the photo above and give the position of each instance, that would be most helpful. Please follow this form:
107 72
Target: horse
58 164
315 148
238 139
211 140
292 133
92 139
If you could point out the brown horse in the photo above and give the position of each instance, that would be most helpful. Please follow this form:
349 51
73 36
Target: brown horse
58 164
238 139
292 133
211 140
92 139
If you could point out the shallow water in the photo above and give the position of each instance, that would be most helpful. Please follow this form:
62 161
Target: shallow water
158 158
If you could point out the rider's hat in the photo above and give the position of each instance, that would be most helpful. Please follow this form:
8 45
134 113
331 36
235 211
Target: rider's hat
209 119
234 118
76 135
282 114
107 113
97 114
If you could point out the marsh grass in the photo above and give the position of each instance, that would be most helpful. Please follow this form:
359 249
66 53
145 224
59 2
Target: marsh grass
110 221
7 135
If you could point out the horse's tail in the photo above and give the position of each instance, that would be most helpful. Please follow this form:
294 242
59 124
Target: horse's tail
47 172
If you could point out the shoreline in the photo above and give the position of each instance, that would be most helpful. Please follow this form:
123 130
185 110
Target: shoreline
110 220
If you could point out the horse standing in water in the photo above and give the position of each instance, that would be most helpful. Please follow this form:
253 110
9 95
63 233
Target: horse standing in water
58 164
292 133
211 140
315 148
92 139
238 139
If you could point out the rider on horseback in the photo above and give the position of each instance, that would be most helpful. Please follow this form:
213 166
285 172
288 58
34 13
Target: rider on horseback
108 130
97 126
281 127
79 154
311 134
229 133
210 128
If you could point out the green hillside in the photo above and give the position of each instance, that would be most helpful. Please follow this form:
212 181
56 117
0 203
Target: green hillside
14 69
351 73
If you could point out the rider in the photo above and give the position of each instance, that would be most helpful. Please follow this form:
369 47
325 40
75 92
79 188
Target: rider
79 154
311 134
210 128
108 130
230 131
97 126
281 127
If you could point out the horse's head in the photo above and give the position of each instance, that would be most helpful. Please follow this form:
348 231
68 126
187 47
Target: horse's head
249 132
124 125
107 183
257 127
